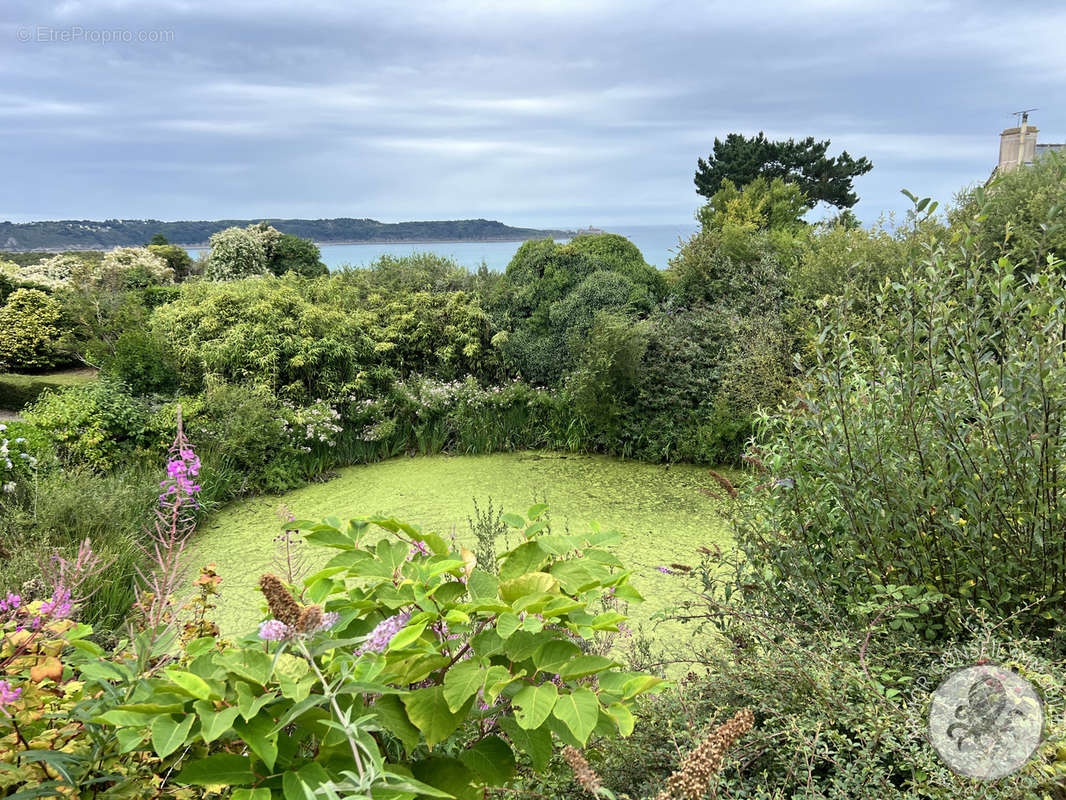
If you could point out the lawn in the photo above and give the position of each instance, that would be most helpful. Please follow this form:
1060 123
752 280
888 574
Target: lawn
18 390
660 509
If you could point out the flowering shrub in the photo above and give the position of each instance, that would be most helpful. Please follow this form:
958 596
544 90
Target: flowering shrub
402 668
429 416
452 669
311 427
16 462
239 253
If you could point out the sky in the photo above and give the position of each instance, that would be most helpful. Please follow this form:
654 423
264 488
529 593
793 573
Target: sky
551 113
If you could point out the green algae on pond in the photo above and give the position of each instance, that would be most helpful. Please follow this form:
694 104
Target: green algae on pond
661 510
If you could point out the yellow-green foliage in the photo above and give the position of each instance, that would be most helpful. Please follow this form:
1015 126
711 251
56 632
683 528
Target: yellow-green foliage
29 330
262 331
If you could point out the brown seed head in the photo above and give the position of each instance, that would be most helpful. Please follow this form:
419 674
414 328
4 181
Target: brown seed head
691 780
279 600
584 774
310 619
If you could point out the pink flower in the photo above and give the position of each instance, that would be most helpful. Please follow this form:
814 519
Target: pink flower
382 634
8 694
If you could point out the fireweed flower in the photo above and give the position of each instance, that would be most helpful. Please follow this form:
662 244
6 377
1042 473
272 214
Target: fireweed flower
59 605
8 694
11 602
179 486
380 637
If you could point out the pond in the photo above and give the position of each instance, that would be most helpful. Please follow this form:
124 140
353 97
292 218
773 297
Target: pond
660 509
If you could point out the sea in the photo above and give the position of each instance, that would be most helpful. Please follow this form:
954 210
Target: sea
658 244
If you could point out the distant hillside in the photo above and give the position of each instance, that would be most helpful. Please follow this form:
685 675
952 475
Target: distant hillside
90 235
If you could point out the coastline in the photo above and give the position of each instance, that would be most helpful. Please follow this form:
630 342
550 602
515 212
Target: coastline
206 245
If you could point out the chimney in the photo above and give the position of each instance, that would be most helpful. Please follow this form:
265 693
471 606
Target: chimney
1017 146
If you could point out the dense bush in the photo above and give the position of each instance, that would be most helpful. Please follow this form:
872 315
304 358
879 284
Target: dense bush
177 259
98 424
924 452
440 335
143 362
1021 214
30 331
418 272
262 331
239 253
293 254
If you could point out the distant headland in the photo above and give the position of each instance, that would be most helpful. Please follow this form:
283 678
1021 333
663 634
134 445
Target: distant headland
94 235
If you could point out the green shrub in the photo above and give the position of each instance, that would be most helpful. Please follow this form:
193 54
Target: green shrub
263 331
1021 214
603 386
300 256
30 331
61 510
242 437
455 673
143 362
98 425
240 252
177 259
922 454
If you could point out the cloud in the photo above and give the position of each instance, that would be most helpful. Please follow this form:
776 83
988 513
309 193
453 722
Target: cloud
547 113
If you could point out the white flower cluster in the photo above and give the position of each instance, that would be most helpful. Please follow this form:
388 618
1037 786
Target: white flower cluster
11 454
318 423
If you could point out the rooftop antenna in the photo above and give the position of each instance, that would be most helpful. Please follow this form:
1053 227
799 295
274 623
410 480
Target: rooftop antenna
1024 115
1022 125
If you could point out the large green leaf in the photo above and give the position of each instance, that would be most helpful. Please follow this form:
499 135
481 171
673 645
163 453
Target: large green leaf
251 794
536 743
576 576
483 586
214 723
623 717
579 710
554 655
193 684
528 557
533 704
582 666
168 735
429 712
256 733
507 624
392 717
461 682
329 537
407 636
530 583
249 701
255 665
301 784
492 759
223 768
448 774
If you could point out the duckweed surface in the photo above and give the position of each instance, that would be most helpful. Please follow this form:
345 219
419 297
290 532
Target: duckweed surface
660 510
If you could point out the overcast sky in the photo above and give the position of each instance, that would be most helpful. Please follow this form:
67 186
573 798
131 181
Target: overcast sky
557 112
